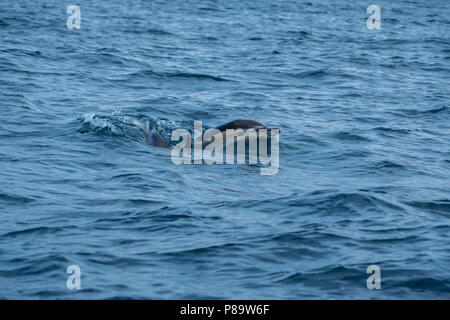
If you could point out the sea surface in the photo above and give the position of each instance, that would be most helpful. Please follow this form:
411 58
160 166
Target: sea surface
364 175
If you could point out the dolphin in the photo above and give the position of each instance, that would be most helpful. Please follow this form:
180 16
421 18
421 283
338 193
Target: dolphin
153 138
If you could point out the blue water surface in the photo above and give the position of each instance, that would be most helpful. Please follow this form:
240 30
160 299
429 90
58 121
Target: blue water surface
364 176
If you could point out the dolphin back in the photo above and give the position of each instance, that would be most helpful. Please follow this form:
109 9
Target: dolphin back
241 124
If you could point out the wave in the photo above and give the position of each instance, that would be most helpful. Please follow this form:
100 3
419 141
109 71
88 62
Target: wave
438 206
49 265
154 31
319 73
413 113
38 231
318 202
347 136
14 198
322 276
177 74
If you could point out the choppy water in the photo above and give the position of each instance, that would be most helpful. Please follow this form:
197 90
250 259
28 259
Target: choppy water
364 149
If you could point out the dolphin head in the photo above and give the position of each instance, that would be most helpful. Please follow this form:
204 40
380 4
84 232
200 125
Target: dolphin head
153 138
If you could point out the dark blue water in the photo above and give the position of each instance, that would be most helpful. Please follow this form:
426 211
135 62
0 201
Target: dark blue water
364 149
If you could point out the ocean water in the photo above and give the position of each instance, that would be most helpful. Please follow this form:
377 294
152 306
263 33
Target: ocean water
364 175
